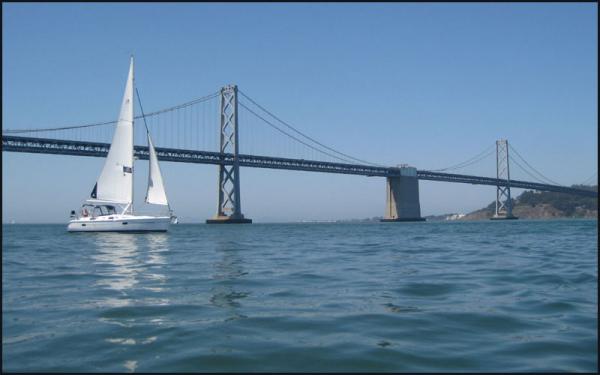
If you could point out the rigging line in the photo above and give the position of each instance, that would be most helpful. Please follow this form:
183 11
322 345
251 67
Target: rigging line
466 162
291 136
527 172
196 101
304 135
142 109
535 170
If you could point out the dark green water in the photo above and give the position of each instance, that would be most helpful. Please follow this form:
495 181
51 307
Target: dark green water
483 296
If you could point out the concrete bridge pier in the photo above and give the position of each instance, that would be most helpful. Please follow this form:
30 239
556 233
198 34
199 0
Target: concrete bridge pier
402 197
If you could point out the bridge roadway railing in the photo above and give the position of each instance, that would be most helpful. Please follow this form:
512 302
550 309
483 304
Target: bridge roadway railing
79 148
478 180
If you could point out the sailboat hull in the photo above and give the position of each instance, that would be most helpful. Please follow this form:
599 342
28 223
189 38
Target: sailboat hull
120 223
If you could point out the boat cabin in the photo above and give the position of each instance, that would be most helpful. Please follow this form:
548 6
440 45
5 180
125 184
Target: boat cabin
95 210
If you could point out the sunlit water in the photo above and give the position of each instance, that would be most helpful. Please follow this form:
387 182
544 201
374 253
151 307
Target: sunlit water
488 296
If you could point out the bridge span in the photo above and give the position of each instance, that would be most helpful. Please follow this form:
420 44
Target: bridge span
97 149
402 197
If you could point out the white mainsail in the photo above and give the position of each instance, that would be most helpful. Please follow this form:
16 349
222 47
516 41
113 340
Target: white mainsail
156 190
116 179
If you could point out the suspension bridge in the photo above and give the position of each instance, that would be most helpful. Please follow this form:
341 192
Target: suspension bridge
208 131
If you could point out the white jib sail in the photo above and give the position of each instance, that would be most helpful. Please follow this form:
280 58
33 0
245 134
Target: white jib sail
116 179
156 189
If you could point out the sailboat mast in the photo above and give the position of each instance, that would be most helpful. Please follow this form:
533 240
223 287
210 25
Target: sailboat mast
133 132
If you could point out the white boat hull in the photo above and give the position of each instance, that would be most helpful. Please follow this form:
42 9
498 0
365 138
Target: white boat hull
120 223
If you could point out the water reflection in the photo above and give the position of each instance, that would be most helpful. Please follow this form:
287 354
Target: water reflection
227 270
157 247
129 263
131 270
118 265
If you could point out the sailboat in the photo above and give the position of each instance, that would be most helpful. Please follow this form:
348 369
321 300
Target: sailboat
110 206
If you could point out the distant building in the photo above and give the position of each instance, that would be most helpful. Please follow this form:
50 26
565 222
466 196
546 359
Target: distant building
455 216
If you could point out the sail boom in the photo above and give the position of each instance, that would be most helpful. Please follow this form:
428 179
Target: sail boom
104 201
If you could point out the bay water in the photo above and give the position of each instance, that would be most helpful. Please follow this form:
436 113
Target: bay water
434 296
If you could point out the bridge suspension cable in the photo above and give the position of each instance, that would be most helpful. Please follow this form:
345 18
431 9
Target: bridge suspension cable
151 114
590 179
531 175
344 157
547 180
475 159
291 136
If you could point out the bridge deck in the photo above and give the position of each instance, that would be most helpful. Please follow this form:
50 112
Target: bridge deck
79 148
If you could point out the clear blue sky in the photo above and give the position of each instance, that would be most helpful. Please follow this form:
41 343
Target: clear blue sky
426 84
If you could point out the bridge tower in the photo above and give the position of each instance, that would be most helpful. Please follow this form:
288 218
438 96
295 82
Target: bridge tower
402 196
229 205
503 199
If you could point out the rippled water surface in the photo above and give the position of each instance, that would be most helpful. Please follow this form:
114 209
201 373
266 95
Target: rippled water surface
488 296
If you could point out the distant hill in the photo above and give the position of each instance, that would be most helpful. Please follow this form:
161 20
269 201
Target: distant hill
545 205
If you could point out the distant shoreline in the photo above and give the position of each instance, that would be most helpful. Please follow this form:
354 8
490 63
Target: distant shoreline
357 221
